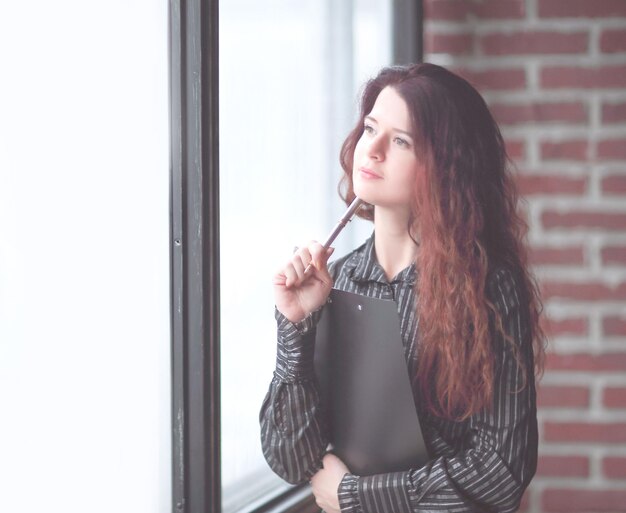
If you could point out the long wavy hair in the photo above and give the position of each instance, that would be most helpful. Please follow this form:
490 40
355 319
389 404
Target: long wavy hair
464 215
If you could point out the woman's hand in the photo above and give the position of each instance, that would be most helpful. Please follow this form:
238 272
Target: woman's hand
326 482
297 294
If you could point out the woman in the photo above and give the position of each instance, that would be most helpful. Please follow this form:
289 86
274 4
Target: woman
429 160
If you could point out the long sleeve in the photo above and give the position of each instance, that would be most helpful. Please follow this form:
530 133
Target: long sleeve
498 454
293 435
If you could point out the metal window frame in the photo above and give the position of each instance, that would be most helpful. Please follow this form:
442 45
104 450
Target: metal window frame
194 255
194 250
408 31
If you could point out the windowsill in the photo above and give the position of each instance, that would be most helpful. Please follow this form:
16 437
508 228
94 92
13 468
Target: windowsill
298 499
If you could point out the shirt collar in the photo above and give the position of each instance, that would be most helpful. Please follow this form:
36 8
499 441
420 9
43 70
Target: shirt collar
365 266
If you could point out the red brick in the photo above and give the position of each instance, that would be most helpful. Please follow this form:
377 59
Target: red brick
614 467
563 466
583 77
551 184
576 500
613 255
614 397
614 184
549 255
516 148
461 10
613 112
499 9
494 78
577 149
581 8
588 291
562 397
611 149
584 219
532 42
449 10
613 41
608 362
455 44
566 326
585 432
614 326
539 112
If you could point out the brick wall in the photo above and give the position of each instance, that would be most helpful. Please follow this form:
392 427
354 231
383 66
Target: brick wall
554 74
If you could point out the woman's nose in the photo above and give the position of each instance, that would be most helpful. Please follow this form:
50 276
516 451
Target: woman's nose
376 149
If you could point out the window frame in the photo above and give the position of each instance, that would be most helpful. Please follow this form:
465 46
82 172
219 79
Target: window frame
193 32
194 255
407 31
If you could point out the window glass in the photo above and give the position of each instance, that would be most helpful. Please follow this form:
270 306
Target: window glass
288 70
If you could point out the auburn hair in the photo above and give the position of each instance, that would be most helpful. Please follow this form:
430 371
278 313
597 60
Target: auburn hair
465 219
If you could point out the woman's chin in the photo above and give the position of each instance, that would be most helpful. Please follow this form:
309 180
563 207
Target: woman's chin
364 194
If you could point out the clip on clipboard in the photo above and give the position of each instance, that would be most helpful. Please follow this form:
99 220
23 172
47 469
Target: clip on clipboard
365 387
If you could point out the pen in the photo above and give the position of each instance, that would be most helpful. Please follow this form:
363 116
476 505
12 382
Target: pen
347 217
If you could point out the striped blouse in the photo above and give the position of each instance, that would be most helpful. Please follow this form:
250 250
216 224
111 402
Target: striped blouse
481 464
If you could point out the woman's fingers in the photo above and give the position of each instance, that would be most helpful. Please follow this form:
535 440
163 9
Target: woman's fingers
303 257
297 264
280 278
297 291
294 269
302 262
291 277
319 254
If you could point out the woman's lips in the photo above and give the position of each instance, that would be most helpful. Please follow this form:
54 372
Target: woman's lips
368 174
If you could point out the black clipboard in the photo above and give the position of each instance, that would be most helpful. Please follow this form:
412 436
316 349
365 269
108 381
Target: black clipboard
364 386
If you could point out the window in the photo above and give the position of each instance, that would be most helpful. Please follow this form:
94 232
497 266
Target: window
288 77
288 70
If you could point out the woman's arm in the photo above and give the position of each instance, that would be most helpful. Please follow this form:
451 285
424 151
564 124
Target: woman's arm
293 434
499 455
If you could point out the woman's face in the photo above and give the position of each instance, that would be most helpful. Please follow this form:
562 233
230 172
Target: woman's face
385 164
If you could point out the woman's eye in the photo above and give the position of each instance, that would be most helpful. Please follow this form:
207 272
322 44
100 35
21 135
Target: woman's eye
402 142
368 129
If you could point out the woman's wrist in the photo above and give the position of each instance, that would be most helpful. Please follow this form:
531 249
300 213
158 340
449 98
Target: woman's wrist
348 493
295 348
